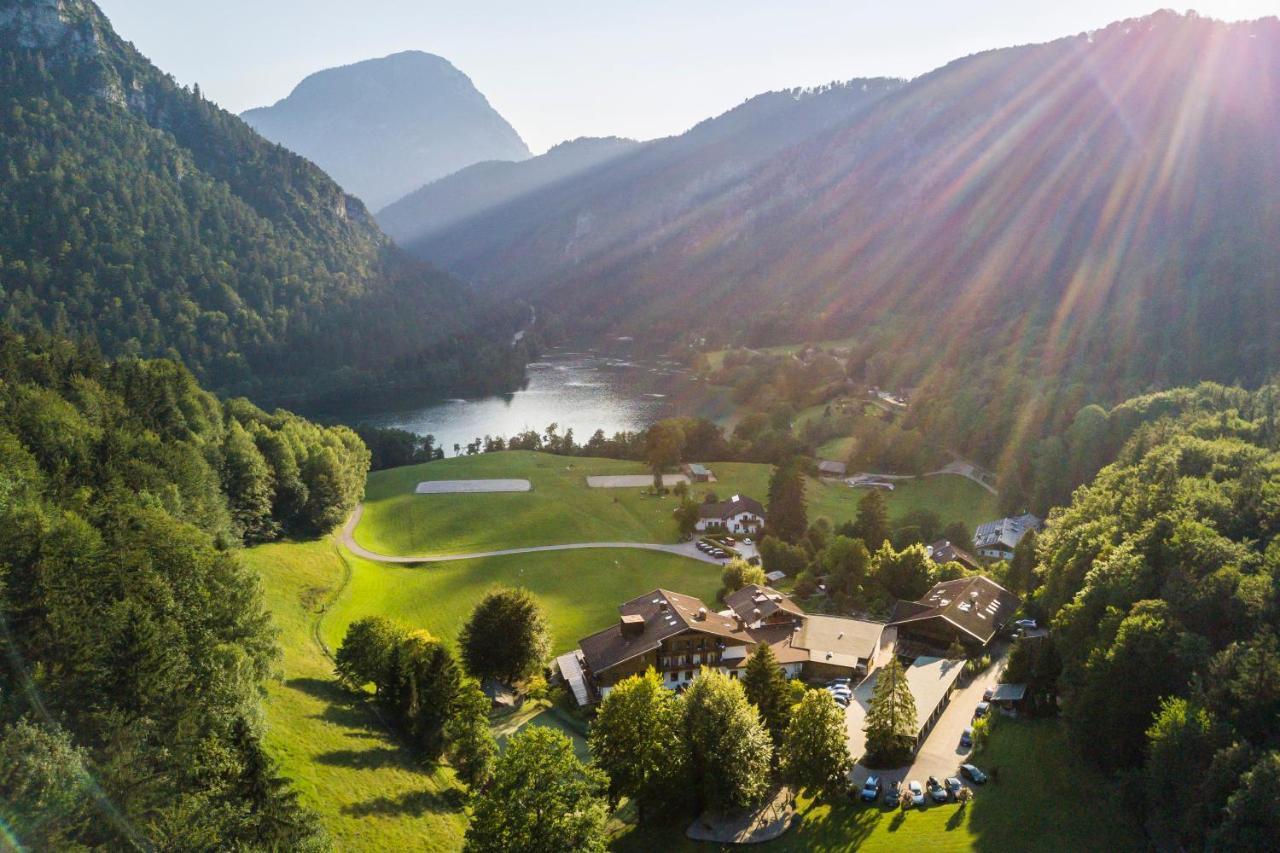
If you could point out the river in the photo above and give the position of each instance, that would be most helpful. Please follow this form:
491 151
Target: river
579 390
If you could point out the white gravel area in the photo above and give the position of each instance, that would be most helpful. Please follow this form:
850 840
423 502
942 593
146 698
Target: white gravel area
457 487
633 481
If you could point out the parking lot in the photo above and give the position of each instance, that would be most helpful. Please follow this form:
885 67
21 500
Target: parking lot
941 754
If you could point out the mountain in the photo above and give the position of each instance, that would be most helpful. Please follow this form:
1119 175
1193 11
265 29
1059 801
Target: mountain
384 127
488 185
630 202
137 213
1014 235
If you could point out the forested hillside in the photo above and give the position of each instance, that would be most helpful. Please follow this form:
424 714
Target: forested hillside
133 642
1162 584
1014 236
137 213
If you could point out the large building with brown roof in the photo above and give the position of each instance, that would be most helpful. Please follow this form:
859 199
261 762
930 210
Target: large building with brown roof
970 611
677 635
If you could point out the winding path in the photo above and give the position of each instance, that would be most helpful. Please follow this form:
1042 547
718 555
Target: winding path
684 549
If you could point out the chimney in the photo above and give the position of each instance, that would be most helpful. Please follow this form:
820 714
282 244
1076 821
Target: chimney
738 619
702 613
631 624
663 605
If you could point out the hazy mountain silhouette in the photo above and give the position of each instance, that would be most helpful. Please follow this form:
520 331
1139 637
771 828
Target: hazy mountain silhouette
487 185
384 127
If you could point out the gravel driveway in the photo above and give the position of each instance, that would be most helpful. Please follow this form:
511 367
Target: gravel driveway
632 481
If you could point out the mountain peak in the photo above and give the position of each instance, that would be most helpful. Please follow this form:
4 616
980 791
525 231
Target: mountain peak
386 126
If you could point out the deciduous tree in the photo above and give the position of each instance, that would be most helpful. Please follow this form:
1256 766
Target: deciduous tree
637 739
506 637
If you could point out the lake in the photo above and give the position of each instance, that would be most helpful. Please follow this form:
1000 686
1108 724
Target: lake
579 390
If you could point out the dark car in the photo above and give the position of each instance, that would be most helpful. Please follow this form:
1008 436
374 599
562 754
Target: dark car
988 693
893 797
953 787
982 710
966 737
973 774
871 790
936 791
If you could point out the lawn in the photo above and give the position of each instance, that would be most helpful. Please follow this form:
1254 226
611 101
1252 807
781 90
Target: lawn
369 792
562 509
580 590
1045 801
559 509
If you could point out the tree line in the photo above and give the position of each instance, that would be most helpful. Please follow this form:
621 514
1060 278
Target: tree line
1161 581
133 641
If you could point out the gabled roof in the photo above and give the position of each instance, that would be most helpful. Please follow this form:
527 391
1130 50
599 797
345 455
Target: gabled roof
944 551
1005 533
976 605
699 470
612 646
733 506
828 465
768 601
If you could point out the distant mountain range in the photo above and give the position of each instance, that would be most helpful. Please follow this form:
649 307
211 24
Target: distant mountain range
137 213
628 203
1014 234
491 184
385 127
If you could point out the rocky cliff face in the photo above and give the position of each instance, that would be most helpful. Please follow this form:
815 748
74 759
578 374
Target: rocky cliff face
385 127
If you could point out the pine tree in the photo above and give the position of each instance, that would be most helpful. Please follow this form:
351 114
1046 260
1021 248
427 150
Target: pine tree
471 745
891 720
766 688
788 515
872 524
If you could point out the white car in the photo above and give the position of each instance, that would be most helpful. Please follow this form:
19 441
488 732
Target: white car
1026 624
916 792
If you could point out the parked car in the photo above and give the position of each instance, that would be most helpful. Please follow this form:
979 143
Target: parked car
988 693
730 541
719 554
982 710
936 791
915 792
973 774
871 789
966 737
953 787
893 797
838 682
1027 624
747 541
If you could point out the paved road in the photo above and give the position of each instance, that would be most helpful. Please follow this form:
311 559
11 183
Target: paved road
941 754
684 549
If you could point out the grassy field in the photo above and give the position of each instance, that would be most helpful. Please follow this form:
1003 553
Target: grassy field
562 509
716 357
580 590
369 792
1045 801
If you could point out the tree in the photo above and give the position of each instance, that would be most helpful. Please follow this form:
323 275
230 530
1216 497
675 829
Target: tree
904 574
246 479
788 518
766 688
687 516
891 724
541 799
365 652
872 522
845 562
664 442
779 556
470 742
729 748
1252 819
1021 575
44 785
738 573
638 740
506 637
815 749
1181 743
427 690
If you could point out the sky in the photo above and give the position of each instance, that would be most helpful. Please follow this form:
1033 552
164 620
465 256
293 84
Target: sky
560 69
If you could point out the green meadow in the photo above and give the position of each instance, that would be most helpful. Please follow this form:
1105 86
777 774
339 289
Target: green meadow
562 509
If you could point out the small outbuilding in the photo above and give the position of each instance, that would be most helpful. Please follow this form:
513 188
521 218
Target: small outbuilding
699 473
828 468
